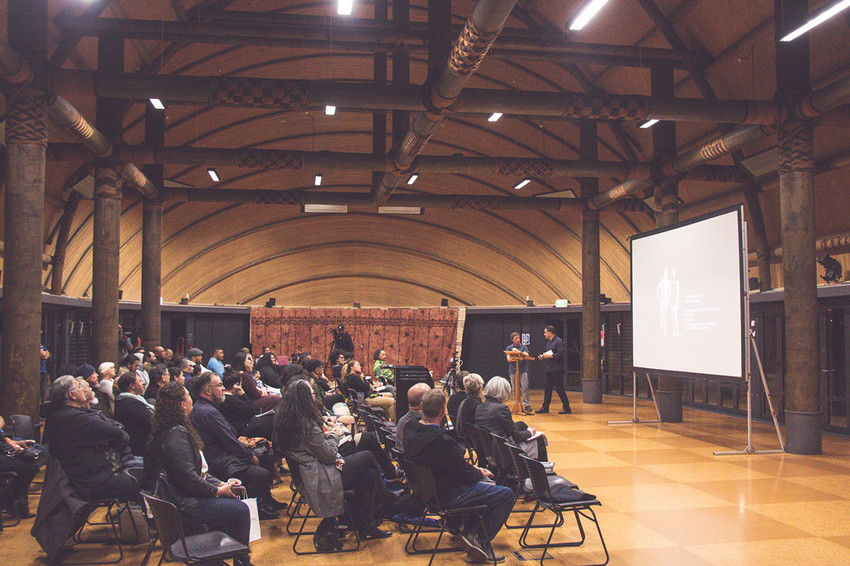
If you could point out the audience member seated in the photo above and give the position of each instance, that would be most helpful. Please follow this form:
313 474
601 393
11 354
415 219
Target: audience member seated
14 457
196 355
474 385
493 415
414 401
87 444
457 396
380 370
243 363
268 371
339 360
100 401
460 483
325 474
175 450
354 383
106 371
187 369
239 411
176 374
216 362
133 411
227 457
159 376
330 397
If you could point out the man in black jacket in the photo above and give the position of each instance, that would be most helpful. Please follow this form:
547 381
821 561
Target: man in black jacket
460 483
227 457
133 411
554 368
87 444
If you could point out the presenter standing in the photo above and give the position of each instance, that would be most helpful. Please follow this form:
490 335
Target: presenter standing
517 345
554 368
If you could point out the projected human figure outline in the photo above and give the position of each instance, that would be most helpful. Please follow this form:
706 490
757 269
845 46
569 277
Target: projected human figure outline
663 291
674 301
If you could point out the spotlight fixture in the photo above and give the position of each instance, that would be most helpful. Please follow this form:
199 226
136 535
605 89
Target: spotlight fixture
520 184
325 208
356 305
818 17
832 267
344 7
444 302
271 302
317 179
213 174
586 13
754 283
494 117
184 300
604 299
157 103
330 110
647 124
412 178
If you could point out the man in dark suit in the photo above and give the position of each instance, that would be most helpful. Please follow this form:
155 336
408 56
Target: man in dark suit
553 365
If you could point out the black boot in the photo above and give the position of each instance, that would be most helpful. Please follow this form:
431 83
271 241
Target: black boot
21 508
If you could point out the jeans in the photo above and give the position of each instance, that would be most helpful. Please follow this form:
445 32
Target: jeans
555 379
498 499
230 516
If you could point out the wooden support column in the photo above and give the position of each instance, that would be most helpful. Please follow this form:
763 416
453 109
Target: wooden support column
590 288
667 204
803 417
107 215
401 70
152 237
26 146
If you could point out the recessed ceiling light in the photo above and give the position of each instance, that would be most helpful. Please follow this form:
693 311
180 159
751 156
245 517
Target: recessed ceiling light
157 103
412 178
330 110
317 179
494 117
344 7
818 18
399 210
213 174
522 183
586 13
647 123
325 208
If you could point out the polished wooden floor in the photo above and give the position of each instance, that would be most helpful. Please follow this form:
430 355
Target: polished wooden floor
666 499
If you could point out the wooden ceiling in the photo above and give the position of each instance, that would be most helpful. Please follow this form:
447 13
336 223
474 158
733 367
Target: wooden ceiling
231 253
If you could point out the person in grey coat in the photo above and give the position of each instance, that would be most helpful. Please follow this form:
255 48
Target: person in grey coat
324 474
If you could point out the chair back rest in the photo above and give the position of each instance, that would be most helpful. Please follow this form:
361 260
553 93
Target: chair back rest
294 471
480 441
167 523
422 484
515 453
503 457
23 427
539 481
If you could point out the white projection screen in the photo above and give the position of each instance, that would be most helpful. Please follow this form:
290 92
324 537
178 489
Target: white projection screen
688 297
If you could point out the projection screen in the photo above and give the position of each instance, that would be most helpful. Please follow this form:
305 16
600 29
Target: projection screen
688 297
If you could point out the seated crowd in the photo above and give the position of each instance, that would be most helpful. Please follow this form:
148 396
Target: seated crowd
198 436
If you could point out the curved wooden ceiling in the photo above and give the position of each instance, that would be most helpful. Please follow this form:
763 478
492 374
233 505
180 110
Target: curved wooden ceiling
243 253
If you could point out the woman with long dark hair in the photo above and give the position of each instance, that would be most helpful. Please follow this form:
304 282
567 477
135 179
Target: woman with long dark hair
243 363
174 448
324 474
354 383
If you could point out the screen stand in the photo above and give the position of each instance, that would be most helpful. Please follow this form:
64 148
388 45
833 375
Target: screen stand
749 448
635 419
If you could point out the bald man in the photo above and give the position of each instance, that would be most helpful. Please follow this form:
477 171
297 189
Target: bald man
414 401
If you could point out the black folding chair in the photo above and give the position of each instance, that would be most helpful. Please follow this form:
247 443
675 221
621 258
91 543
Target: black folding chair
483 446
6 479
424 488
301 510
545 501
192 549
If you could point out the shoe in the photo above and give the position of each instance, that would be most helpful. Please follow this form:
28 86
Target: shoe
242 561
565 412
275 504
22 509
542 411
266 512
375 533
475 551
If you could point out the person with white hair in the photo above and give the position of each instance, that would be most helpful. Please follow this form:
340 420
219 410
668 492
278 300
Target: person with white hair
106 371
494 416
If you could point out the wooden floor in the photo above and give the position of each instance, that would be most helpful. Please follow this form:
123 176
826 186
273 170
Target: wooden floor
665 498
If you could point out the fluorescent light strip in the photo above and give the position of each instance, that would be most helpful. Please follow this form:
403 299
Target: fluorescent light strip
330 110
317 179
325 208
399 210
818 19
157 103
213 174
585 14
522 183
413 178
344 7
648 124
494 117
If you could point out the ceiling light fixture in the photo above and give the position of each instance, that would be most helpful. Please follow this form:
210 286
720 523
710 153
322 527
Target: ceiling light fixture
213 174
400 210
344 7
325 208
157 103
647 123
818 17
522 183
317 179
330 110
586 13
494 117
412 178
